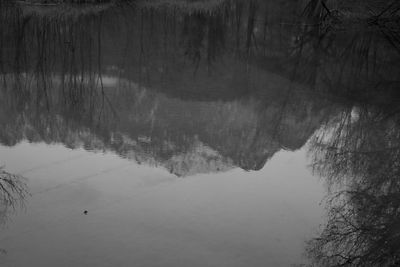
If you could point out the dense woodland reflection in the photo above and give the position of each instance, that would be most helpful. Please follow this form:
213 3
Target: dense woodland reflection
142 85
359 156
207 90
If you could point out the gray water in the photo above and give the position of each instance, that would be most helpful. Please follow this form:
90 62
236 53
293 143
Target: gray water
205 135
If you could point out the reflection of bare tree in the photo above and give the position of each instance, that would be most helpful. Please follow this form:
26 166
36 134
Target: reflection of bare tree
13 191
360 157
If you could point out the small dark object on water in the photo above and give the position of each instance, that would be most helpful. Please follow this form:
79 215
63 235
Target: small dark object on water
85 212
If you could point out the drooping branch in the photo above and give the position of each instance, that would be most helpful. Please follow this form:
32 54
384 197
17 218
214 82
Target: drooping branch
13 189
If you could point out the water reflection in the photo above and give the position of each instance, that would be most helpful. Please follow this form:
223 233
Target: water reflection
146 126
359 156
142 84
357 151
208 88
13 191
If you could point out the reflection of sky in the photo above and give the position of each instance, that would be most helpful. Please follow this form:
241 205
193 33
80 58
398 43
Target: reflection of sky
144 216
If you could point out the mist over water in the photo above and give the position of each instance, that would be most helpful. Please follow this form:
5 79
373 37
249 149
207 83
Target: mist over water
215 133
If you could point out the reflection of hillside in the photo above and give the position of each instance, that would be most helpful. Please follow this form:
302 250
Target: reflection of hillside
183 136
160 87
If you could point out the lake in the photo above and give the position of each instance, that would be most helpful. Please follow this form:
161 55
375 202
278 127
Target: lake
225 133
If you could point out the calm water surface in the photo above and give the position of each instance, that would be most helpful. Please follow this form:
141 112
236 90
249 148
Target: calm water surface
206 135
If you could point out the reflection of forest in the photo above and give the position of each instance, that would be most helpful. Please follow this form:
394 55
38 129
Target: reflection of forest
188 85
359 156
357 151
163 47
145 91
178 88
